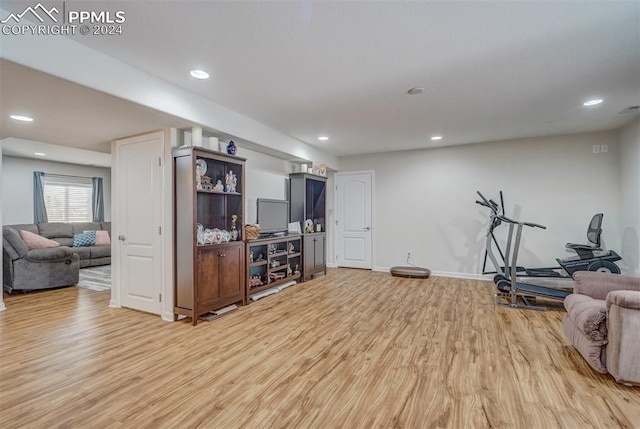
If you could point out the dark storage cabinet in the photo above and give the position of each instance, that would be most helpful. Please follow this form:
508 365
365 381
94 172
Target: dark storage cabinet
209 251
307 199
272 262
314 254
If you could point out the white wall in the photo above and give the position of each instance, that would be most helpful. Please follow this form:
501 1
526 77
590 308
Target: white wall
424 200
265 177
2 306
17 185
630 196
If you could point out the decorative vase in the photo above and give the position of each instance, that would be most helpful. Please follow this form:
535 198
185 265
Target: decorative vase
231 148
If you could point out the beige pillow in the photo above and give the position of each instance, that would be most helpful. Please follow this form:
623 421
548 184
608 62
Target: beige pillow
102 238
35 241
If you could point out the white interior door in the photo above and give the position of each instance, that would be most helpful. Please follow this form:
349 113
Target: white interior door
354 226
139 219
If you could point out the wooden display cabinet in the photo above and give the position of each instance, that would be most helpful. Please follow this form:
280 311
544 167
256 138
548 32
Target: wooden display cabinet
209 251
307 205
273 261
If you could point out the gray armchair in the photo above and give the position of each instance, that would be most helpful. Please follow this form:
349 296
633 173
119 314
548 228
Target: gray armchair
25 269
603 323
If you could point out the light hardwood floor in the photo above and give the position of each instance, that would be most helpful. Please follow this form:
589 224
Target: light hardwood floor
353 349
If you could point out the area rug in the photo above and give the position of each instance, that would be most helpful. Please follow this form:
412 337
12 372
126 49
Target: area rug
96 278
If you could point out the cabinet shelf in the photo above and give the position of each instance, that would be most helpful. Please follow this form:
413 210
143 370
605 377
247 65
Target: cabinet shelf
204 246
275 255
202 191
263 269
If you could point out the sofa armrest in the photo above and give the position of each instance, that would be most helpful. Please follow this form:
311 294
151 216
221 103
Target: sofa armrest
624 298
623 324
598 285
51 254
13 244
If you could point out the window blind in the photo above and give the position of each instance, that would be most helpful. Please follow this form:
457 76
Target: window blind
68 199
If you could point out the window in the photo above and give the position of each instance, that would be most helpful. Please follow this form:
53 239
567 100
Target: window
68 199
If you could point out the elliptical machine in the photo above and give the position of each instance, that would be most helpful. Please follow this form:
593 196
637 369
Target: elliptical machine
511 291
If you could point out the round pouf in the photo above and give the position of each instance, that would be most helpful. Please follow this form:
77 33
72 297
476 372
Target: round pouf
412 272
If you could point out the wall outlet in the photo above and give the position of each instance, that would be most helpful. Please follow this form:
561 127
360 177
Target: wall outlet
604 148
596 148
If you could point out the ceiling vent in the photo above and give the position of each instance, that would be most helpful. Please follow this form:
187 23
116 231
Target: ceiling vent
630 109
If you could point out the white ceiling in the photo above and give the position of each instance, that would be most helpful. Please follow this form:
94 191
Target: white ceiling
491 70
68 114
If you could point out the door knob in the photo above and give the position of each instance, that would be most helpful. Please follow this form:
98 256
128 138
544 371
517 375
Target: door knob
367 228
121 237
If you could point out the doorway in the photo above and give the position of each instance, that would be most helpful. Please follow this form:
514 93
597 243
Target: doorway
354 220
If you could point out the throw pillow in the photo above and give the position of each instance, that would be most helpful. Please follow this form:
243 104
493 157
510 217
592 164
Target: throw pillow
102 238
84 239
35 241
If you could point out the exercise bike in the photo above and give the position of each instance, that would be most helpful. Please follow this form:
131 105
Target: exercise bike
587 259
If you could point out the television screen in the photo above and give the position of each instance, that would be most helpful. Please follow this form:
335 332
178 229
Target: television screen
273 215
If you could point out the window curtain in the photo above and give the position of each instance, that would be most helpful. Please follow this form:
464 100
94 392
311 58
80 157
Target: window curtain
39 209
98 200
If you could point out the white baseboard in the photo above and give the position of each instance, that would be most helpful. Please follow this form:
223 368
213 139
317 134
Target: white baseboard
332 265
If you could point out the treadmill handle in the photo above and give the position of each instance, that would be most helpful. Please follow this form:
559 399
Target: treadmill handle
534 225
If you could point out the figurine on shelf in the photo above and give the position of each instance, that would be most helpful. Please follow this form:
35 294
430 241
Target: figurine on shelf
251 257
219 187
198 177
256 281
234 231
296 270
231 181
275 263
289 271
231 148
291 248
260 258
308 226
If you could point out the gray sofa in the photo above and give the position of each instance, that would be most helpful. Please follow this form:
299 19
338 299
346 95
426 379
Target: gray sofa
25 269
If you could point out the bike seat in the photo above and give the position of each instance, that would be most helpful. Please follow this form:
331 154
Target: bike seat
594 230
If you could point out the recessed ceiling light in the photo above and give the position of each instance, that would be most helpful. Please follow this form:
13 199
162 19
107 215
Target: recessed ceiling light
415 90
593 102
39 153
436 138
21 118
323 138
199 74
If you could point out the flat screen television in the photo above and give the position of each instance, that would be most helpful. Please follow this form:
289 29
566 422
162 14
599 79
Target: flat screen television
273 216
